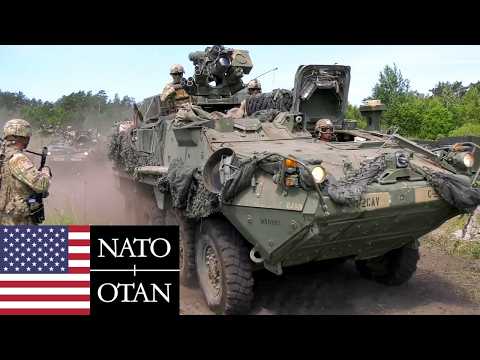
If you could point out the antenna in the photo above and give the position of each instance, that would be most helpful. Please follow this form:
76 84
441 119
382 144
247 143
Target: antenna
274 69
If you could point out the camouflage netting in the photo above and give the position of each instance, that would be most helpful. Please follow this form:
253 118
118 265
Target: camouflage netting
456 191
279 99
350 189
188 192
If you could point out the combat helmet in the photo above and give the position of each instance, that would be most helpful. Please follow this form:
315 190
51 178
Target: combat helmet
177 69
17 127
254 85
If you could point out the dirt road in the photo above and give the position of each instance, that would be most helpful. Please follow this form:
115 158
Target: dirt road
443 285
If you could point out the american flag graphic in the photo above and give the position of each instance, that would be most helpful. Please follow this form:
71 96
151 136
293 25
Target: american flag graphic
44 270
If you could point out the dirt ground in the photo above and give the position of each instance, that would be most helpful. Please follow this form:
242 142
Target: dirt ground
442 285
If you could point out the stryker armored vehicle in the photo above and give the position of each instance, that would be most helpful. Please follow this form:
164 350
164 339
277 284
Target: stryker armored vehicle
264 191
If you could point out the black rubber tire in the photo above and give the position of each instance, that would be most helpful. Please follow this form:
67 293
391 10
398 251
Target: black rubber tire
394 268
229 250
188 271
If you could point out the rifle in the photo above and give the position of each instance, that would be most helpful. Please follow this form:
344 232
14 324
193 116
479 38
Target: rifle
35 201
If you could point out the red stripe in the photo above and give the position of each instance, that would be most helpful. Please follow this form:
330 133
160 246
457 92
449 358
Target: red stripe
79 270
54 284
78 256
44 298
78 228
44 311
78 242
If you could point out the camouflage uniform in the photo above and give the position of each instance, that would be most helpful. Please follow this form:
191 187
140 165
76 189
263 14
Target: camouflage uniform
173 94
19 180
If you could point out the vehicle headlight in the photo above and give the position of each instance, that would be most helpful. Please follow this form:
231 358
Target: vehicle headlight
468 160
318 174
85 153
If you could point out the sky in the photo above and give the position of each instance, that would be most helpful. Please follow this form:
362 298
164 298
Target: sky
48 72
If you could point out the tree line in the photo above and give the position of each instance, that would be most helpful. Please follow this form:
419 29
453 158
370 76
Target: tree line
79 109
452 109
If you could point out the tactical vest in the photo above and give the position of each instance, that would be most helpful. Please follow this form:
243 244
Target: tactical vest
181 97
13 193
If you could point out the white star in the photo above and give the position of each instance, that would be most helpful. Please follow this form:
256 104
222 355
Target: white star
40 250
51 230
28 259
28 268
5 240
22 264
51 240
16 269
34 263
63 269
17 240
62 230
39 230
11 244
5 249
56 235
5 259
62 259
56 254
28 239
34 245
11 234
40 259
11 254
62 249
28 249
34 235
51 259
17 230
56 264
16 259
45 244
45 235
51 249
17 249
5 230
34 254
51 269
45 264
56 245
22 235
39 268
5 269
22 254
28 230
62 239
11 264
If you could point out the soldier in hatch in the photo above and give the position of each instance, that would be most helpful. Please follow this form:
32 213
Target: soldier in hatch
324 130
254 88
173 94
19 179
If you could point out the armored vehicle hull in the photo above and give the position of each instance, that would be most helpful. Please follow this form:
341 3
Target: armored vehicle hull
263 191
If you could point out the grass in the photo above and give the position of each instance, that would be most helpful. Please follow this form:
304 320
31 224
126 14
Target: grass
445 239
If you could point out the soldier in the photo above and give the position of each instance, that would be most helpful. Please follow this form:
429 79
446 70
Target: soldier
19 179
174 95
324 130
254 87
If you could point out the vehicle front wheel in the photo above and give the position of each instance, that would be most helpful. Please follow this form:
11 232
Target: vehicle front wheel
393 268
224 268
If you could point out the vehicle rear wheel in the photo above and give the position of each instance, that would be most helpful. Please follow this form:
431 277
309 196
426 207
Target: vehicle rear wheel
224 268
394 268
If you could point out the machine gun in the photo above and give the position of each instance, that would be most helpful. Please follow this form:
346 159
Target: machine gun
35 201
221 65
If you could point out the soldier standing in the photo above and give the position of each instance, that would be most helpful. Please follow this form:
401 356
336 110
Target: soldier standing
19 179
173 94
